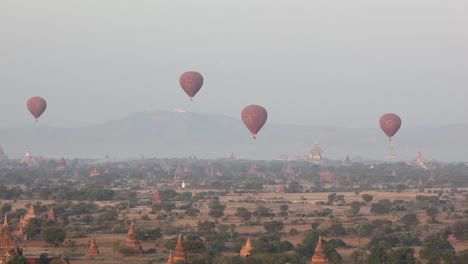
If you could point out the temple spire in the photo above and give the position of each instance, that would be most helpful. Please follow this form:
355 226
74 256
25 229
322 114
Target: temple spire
93 249
179 252
5 222
319 256
52 215
245 250
131 235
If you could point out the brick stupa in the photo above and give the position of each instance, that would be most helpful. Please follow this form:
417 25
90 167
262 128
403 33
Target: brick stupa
157 198
319 255
93 249
245 250
132 242
8 246
52 215
30 215
21 234
179 254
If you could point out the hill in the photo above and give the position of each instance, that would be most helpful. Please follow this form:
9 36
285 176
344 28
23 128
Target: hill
164 133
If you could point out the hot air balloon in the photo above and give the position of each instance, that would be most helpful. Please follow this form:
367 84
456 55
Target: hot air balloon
37 106
254 117
390 123
191 82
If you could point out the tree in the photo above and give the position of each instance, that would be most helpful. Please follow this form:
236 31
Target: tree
17 260
294 187
355 207
54 235
378 254
206 226
460 230
331 197
432 212
263 211
216 209
243 213
367 198
381 207
192 212
410 219
6 207
284 207
274 226
335 228
404 255
32 228
435 249
359 256
270 243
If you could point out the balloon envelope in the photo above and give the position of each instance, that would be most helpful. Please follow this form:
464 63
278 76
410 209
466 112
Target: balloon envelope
390 124
191 82
254 117
37 106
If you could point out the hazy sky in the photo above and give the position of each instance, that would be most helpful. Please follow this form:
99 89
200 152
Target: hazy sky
328 62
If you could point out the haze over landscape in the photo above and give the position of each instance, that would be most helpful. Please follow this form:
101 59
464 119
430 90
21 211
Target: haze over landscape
178 134
233 132
313 63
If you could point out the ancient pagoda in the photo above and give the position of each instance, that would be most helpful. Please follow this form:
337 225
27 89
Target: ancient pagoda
132 242
279 189
52 215
157 198
62 165
21 234
8 246
179 254
30 215
319 256
93 249
170 260
29 160
245 250
316 154
94 172
232 191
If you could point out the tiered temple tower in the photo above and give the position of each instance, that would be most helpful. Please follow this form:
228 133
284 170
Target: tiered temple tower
179 252
93 249
319 256
279 189
232 192
52 215
94 172
8 246
62 164
132 242
316 155
245 250
29 160
157 198
30 215
21 234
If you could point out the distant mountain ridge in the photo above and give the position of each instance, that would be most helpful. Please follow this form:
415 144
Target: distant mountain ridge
178 134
